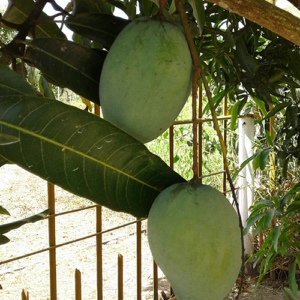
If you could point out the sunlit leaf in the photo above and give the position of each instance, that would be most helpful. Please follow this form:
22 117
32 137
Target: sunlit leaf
83 154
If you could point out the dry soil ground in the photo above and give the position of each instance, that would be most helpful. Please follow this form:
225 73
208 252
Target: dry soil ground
23 195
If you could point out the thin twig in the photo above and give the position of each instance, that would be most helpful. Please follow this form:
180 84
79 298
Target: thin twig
198 71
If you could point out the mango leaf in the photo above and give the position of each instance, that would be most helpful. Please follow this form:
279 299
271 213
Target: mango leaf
277 232
102 28
11 83
45 88
251 220
199 13
83 154
70 64
276 109
289 294
261 105
263 158
265 221
14 225
292 279
269 138
244 163
17 12
235 111
4 211
246 61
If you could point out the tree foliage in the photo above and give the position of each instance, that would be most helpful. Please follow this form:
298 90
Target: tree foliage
258 70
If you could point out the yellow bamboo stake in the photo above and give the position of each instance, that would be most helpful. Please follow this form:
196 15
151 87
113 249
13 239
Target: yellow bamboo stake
139 259
52 242
120 277
77 285
99 249
25 295
155 281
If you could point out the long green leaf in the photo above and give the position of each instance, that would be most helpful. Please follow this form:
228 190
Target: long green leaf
32 219
243 57
11 83
70 64
102 28
14 225
261 105
251 220
277 232
263 158
292 279
83 154
17 12
276 109
199 13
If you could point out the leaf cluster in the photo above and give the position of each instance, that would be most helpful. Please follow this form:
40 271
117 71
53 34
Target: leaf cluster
280 222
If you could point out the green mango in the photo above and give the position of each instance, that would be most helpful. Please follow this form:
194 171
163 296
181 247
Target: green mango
194 236
146 77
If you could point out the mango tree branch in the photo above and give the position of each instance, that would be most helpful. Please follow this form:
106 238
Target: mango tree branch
197 71
265 14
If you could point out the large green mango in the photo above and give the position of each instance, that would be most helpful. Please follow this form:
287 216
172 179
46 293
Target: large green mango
195 239
146 78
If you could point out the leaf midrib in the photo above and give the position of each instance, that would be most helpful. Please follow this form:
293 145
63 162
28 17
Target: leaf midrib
23 130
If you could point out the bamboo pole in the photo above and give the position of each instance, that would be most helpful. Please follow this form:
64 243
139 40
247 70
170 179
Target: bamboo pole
139 260
52 242
77 285
120 277
25 295
99 249
155 281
